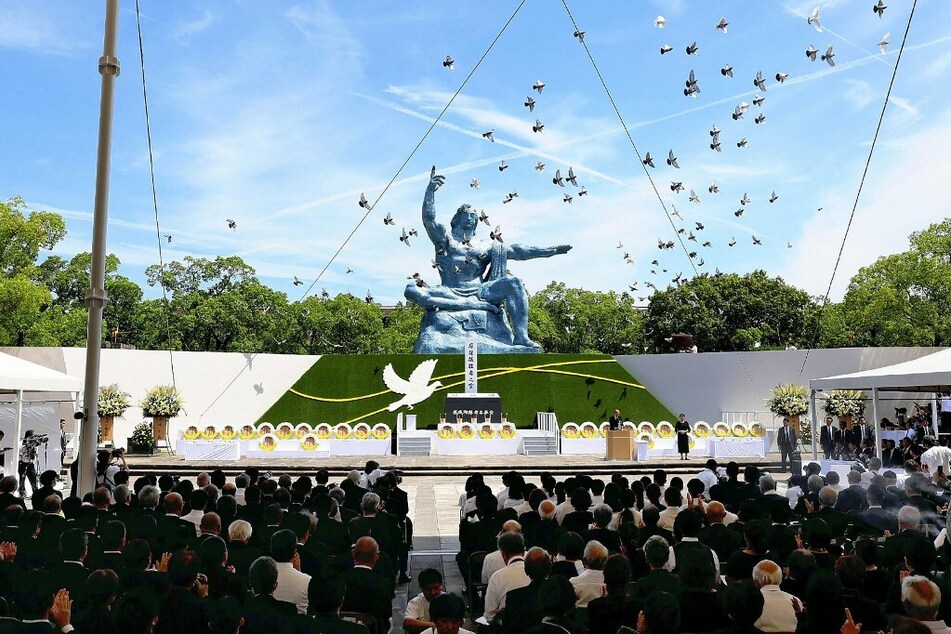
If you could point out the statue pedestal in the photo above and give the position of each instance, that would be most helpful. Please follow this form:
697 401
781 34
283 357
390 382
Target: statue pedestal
478 405
445 332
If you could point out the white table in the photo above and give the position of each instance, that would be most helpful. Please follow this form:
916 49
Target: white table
581 446
474 446
208 449
354 447
896 435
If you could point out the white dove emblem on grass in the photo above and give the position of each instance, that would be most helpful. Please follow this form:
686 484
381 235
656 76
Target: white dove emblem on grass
416 390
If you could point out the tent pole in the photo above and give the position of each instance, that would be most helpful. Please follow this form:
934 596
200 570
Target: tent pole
934 413
815 422
12 461
96 295
878 423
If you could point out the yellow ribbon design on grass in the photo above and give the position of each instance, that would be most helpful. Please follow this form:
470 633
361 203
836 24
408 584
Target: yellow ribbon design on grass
490 373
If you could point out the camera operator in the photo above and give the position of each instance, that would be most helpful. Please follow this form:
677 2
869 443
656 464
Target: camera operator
28 456
107 466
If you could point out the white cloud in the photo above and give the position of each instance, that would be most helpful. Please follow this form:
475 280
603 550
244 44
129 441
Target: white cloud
186 30
907 189
859 93
36 28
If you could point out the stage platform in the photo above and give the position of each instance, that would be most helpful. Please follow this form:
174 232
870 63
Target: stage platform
435 465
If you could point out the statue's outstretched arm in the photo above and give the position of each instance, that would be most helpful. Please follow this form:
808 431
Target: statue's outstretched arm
437 232
527 252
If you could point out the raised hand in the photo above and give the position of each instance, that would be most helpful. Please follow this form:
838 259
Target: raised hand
850 626
435 180
62 609
162 565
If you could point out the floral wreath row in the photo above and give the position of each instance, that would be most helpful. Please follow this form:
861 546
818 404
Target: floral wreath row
287 431
665 429
485 431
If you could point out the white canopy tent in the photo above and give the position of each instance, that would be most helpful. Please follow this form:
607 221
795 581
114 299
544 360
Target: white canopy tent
930 374
18 376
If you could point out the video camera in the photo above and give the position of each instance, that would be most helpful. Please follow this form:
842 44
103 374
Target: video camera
36 440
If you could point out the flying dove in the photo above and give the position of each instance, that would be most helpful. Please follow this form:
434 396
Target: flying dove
324 293
757 241
538 127
732 242
675 213
676 186
648 160
571 177
713 188
557 179
582 191
530 104
722 24
883 45
666 48
539 166
781 77
693 197
737 113
715 146
759 82
503 166
489 135
691 237
693 49
449 62
739 212
745 200
742 142
758 100
811 52
231 224
436 265
714 131
727 71
404 237
369 298
672 160
567 199
349 270
509 197
760 118
474 183
660 22
879 9
619 245
363 203
297 281
168 238
814 19
388 220
415 390
483 217
496 234
579 35
788 244
773 197
538 85
829 57
413 232
699 226
707 244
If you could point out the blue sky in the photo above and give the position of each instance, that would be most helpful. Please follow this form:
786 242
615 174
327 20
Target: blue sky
280 114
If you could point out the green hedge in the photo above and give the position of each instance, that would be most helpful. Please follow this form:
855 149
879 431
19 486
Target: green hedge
572 398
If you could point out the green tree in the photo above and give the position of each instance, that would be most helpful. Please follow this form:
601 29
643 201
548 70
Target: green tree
22 237
901 299
573 320
401 327
342 325
752 310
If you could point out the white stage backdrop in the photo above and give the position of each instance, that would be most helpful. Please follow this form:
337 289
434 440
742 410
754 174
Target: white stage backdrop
42 418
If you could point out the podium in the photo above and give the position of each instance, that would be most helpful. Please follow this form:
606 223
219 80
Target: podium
620 445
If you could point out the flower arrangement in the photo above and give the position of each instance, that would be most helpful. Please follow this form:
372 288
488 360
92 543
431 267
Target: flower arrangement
691 441
571 430
247 432
210 433
227 432
285 431
446 431
646 427
721 429
265 428
323 431
466 431
740 430
757 430
268 442
302 430
342 431
702 429
381 431
629 425
309 442
788 400
361 431
191 433
589 430
112 401
648 438
486 431
141 439
507 431
665 429
844 403
162 400
604 428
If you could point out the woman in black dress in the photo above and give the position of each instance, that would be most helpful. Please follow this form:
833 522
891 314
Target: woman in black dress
683 441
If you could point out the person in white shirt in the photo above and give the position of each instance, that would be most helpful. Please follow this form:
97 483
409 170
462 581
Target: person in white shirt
241 482
589 585
291 582
709 477
874 466
779 608
199 500
417 615
936 456
673 500
494 562
921 599
448 611
511 577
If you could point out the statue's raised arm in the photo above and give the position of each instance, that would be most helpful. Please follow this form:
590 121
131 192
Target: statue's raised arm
437 232
526 252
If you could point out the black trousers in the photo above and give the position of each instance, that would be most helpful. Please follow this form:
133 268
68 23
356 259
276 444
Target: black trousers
27 471
785 453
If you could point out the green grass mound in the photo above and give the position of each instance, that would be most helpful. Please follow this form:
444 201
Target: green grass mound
349 388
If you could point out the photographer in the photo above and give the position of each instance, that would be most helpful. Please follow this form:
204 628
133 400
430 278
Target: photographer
28 457
107 466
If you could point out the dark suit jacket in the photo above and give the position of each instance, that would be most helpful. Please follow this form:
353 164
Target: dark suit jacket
608 538
721 539
655 581
838 522
241 556
543 533
786 444
518 620
577 521
853 498
371 592
69 575
181 611
827 437
13 625
615 422
326 624
897 545
878 520
607 614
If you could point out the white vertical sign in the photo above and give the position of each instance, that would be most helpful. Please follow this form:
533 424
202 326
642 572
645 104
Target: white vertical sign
472 366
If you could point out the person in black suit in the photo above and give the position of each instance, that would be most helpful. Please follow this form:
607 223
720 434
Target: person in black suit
324 599
240 553
827 438
135 611
609 612
263 613
367 589
182 608
600 533
545 532
891 457
71 574
861 433
44 607
852 498
897 546
720 538
659 579
62 442
787 442
537 567
876 518
615 422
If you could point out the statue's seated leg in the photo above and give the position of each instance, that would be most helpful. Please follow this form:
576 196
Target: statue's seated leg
510 289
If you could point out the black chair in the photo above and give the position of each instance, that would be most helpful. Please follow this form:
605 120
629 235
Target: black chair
366 620
475 585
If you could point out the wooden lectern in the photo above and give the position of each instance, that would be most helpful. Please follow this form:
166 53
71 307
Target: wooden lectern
620 445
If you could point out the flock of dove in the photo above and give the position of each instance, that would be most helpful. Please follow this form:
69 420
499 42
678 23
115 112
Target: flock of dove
687 232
